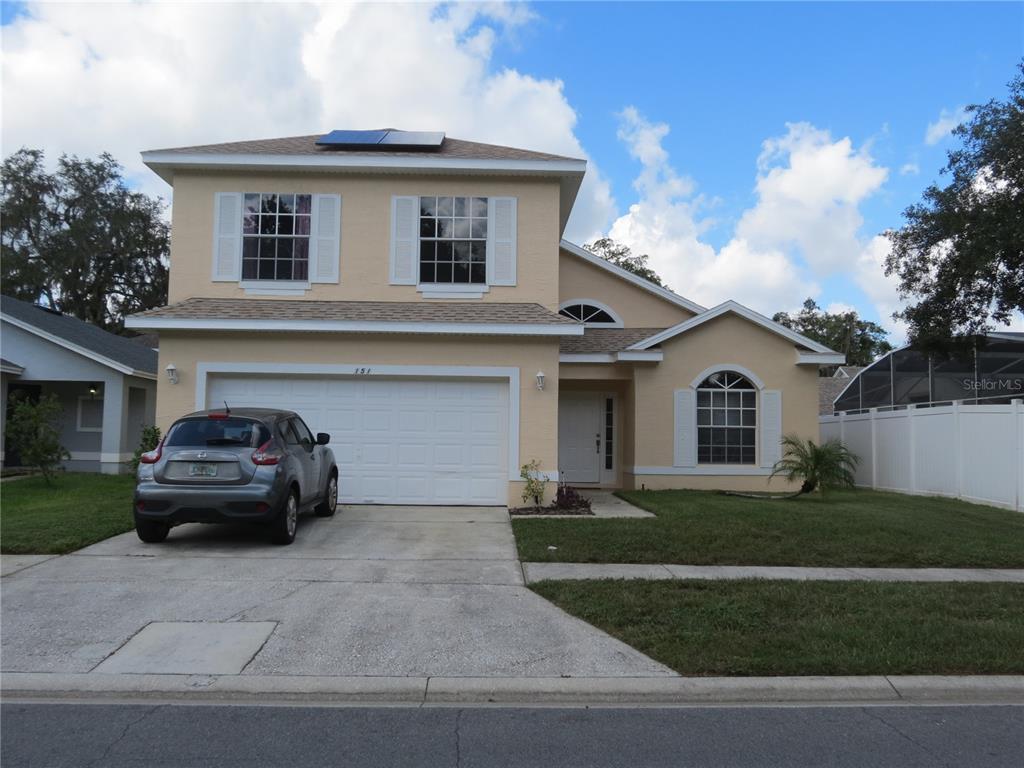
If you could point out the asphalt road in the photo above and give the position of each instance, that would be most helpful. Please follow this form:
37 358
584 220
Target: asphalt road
100 734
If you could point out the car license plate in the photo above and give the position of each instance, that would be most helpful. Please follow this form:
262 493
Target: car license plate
202 470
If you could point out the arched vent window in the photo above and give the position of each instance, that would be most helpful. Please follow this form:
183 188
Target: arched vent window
726 419
588 313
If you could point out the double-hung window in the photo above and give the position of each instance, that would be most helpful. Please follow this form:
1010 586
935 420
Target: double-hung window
453 240
275 236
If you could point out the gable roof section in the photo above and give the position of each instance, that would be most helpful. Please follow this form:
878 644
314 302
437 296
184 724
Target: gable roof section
307 145
302 153
436 317
629 277
78 336
823 354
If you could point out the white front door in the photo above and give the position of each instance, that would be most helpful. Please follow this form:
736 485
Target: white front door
580 417
396 441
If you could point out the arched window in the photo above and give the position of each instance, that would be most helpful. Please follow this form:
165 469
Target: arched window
726 419
588 313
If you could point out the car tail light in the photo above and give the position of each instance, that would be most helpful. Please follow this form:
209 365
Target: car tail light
218 415
266 454
152 457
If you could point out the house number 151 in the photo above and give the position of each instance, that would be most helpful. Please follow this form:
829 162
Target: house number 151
363 371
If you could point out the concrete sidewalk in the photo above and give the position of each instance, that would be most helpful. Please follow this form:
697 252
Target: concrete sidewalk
535 572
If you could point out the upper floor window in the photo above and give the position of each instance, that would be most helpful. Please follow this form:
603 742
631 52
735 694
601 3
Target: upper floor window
275 236
453 240
589 314
726 419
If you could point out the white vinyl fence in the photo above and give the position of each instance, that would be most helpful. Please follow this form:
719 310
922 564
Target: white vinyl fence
971 452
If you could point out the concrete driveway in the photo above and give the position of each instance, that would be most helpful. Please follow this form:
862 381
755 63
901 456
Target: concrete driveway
375 591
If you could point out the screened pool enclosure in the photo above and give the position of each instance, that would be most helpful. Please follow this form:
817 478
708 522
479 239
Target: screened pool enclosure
993 373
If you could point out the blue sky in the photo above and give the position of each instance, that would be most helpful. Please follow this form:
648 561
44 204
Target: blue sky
709 85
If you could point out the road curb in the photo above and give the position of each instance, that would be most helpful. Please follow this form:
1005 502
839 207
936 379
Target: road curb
537 690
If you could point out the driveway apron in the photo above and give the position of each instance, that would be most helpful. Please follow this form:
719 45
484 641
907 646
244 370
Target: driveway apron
374 591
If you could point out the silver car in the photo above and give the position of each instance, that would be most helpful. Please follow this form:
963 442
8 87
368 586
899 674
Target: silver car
253 465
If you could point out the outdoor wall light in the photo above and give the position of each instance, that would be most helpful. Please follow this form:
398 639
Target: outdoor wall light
172 373
94 390
540 380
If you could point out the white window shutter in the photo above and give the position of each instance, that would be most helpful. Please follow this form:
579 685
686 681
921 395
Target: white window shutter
227 236
405 240
685 453
501 245
325 239
771 427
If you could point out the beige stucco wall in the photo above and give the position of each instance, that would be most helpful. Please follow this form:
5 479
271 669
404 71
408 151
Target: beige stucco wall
538 410
725 340
637 308
365 231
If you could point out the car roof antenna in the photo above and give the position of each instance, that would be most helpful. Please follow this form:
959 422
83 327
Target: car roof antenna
226 409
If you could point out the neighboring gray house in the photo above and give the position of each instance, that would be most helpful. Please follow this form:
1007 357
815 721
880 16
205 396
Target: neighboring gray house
106 383
829 387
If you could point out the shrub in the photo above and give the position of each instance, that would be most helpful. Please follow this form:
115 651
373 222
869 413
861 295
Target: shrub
34 432
536 483
567 497
148 442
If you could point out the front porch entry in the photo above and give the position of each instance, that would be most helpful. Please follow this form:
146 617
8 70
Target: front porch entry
586 422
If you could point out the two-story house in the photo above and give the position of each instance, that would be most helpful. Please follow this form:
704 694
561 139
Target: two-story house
411 294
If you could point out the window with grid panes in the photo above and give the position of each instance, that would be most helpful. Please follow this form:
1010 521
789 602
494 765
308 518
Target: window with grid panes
453 240
726 420
275 236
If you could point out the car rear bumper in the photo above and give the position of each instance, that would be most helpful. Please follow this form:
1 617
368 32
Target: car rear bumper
174 504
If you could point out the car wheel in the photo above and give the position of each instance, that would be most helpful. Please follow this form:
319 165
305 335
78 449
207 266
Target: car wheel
288 520
327 507
151 531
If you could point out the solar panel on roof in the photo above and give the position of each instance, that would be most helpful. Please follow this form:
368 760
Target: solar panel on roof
351 138
386 140
413 139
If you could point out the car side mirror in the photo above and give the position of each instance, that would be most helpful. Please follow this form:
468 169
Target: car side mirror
322 438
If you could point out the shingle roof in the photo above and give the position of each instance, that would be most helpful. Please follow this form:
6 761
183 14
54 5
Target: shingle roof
89 337
306 145
828 390
368 311
600 341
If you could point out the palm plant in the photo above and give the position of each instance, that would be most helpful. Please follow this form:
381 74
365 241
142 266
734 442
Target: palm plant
829 465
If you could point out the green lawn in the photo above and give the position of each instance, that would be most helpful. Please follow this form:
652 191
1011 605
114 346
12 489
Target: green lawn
767 628
75 510
848 528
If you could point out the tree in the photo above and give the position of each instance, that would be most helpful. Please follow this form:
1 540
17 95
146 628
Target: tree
79 239
34 431
825 466
621 256
961 251
860 340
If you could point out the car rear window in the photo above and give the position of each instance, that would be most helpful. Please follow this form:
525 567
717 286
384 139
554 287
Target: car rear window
232 431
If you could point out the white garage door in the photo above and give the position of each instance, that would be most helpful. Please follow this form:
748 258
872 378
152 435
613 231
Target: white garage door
396 441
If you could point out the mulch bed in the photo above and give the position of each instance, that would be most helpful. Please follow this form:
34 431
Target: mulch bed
549 511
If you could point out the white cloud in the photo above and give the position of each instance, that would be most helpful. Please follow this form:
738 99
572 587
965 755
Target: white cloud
129 77
805 223
910 169
881 289
944 125
809 190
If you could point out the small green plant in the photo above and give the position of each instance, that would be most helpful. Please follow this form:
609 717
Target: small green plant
825 466
34 432
536 483
148 442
